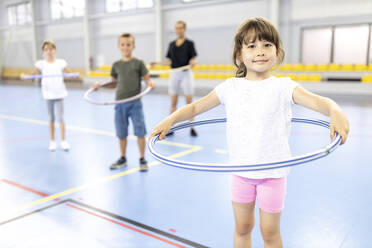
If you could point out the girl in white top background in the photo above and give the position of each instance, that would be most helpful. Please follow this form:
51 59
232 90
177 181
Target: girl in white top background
53 89
258 109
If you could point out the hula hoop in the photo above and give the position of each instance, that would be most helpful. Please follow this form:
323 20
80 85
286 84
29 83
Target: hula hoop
158 72
66 75
86 96
219 167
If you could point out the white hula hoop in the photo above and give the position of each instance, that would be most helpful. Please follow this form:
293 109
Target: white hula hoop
158 72
219 167
129 99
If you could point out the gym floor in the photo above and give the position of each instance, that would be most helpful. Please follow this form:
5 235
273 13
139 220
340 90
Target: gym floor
72 199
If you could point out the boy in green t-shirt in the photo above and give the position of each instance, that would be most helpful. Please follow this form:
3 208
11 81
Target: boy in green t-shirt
127 74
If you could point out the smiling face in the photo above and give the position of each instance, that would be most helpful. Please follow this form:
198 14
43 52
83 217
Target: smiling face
257 48
258 56
126 46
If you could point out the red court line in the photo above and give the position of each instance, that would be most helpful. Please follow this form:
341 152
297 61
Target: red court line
24 188
24 139
94 214
126 226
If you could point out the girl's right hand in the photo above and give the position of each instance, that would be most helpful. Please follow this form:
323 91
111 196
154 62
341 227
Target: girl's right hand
22 76
162 129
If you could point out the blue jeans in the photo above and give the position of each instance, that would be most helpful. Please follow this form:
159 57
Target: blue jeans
132 110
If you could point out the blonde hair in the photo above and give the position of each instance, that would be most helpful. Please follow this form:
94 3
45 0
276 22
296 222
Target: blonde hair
48 43
263 30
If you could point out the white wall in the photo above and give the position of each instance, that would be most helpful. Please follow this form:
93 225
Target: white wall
17 47
320 9
211 25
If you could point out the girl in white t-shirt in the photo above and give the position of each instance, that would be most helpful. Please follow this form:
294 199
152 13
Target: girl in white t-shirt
258 109
53 89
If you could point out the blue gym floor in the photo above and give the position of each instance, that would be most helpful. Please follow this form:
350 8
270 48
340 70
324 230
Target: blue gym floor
72 199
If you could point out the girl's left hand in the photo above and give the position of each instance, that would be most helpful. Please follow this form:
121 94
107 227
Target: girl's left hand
340 124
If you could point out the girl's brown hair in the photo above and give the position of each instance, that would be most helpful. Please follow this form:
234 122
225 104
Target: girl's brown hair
263 30
48 43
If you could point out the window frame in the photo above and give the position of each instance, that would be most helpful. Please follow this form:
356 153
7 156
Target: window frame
62 16
26 16
368 59
123 9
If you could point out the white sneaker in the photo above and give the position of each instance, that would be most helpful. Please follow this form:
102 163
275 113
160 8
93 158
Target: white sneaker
65 146
52 145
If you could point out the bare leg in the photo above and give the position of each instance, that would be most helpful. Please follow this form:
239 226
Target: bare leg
141 145
244 223
270 229
51 130
63 133
174 101
123 146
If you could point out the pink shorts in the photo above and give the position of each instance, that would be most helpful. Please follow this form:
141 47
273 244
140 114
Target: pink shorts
270 192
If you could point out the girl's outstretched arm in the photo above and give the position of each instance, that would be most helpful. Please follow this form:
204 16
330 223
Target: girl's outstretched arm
338 121
185 113
36 71
67 70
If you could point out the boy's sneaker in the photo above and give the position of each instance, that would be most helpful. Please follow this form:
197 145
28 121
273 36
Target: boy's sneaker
119 164
64 145
143 164
193 133
52 145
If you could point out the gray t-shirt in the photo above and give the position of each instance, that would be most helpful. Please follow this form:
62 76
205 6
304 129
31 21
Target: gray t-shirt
128 75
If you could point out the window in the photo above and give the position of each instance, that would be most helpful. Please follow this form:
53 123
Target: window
122 5
19 14
347 44
67 8
316 46
351 44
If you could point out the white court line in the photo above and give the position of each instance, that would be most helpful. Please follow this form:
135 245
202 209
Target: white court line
90 130
191 149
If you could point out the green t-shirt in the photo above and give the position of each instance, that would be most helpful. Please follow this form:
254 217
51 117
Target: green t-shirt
128 75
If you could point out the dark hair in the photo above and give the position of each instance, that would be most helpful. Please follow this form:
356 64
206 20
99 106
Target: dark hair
48 43
127 35
182 22
263 30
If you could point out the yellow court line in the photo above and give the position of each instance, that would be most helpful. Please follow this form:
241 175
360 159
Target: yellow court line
221 151
102 180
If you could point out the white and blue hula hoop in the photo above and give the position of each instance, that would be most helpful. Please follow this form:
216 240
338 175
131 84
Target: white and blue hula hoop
219 167
65 75
129 99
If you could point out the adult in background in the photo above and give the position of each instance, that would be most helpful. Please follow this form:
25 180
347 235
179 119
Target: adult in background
181 52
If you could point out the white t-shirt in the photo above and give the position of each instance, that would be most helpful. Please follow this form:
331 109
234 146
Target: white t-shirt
52 87
258 122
